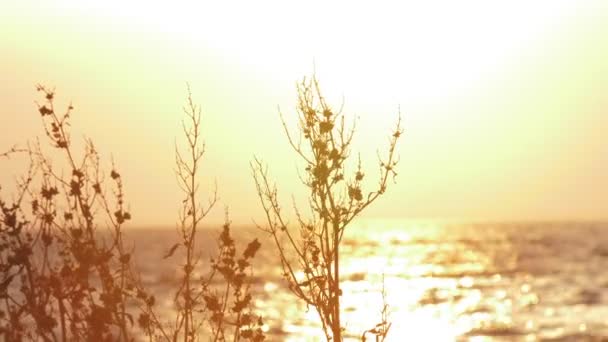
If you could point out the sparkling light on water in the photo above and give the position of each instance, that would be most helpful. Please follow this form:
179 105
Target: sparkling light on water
454 282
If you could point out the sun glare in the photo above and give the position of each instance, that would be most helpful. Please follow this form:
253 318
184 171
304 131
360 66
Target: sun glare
463 44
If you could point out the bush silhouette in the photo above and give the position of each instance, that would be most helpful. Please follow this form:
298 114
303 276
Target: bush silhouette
62 279
310 257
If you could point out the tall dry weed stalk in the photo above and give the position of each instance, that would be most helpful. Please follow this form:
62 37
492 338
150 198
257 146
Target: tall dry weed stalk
381 329
220 314
310 250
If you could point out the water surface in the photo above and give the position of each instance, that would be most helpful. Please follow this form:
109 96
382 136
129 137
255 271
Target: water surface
443 281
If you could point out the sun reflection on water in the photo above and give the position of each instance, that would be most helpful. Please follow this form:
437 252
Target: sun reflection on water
448 282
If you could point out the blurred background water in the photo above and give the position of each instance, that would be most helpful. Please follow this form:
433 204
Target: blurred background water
443 281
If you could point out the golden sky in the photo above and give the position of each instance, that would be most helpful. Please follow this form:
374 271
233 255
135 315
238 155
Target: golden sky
505 104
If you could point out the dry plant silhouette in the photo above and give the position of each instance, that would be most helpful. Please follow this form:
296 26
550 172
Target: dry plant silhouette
227 310
64 279
380 330
310 251
66 274
61 279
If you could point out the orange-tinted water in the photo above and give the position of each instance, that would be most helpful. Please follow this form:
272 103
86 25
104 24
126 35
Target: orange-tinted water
443 282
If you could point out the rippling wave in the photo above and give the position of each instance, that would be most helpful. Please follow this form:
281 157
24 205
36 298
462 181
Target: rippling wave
444 282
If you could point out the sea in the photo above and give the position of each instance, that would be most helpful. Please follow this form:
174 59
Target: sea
440 280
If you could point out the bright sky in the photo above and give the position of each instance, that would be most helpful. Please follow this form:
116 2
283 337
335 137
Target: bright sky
505 104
